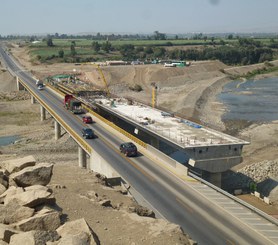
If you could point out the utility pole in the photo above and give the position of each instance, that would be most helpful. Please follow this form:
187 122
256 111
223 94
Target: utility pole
154 95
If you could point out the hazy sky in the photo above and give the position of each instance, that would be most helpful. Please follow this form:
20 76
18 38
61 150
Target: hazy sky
137 16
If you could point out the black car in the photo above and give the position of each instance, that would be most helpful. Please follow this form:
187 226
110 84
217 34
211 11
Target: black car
88 133
129 149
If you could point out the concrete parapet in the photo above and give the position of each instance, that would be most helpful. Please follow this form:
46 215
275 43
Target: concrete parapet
167 161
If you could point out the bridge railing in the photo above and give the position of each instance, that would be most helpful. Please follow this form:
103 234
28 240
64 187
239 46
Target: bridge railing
77 137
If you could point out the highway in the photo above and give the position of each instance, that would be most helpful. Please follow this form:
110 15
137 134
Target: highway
173 198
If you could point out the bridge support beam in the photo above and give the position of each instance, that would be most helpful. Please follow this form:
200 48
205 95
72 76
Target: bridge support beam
43 113
57 129
19 85
33 100
82 161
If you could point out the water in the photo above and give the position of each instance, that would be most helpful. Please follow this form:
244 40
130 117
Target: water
253 100
7 140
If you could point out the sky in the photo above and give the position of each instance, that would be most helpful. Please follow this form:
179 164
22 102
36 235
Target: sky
27 17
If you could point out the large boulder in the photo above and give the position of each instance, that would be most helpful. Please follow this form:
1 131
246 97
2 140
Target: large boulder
30 198
81 238
4 180
15 165
2 189
36 175
45 221
34 237
13 213
77 229
8 194
6 232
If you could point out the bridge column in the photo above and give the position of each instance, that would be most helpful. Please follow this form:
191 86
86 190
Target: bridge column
215 179
19 85
33 100
43 113
57 129
81 158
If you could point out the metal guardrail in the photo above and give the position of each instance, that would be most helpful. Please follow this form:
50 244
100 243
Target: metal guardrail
78 138
254 209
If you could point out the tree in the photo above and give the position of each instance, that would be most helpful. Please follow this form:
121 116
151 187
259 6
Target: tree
95 46
49 42
230 37
106 46
61 53
72 50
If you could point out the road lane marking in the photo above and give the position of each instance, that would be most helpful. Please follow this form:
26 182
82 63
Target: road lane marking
187 207
230 242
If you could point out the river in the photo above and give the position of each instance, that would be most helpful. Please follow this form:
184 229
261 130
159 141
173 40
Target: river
251 100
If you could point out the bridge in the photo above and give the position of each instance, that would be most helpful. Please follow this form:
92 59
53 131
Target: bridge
203 211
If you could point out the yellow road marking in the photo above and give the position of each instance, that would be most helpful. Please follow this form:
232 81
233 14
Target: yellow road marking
187 207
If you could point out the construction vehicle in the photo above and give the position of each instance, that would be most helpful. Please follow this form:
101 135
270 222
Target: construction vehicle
72 104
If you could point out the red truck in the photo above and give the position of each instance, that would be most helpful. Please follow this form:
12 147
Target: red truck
73 104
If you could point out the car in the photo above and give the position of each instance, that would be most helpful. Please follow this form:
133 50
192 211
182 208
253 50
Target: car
87 119
40 87
129 149
88 133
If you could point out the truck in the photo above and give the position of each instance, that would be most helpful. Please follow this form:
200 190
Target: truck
72 104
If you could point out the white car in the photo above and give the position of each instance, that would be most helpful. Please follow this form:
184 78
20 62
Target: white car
40 87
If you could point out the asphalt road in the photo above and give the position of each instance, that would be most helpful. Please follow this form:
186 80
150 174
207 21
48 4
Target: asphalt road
174 199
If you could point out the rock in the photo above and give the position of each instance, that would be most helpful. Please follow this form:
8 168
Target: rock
2 189
81 238
37 187
4 180
77 228
8 194
18 164
6 232
30 198
3 243
35 237
36 175
13 213
49 221
105 203
92 195
142 211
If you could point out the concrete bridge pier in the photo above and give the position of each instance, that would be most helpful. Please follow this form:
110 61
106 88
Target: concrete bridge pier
214 178
57 129
33 100
82 161
43 113
19 85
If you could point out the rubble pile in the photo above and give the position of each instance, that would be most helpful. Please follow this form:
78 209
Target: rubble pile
28 210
